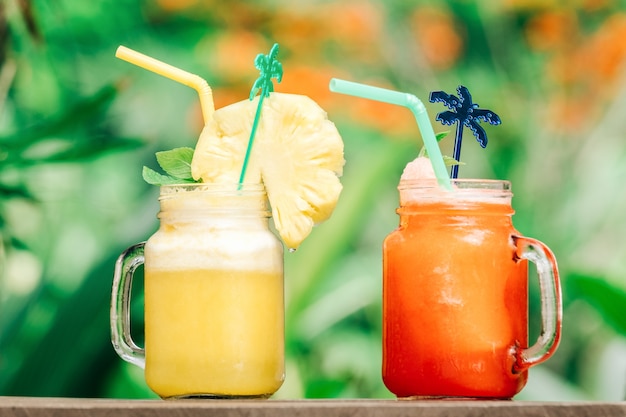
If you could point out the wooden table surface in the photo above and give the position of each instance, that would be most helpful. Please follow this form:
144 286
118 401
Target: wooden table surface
74 407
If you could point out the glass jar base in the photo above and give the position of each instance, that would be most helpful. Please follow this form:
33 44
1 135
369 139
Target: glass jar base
445 398
217 397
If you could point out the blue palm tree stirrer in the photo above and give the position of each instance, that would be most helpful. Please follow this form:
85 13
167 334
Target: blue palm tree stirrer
464 112
269 67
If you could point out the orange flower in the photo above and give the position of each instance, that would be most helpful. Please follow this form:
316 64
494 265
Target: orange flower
176 5
585 75
231 54
594 5
224 96
570 115
563 68
298 30
311 81
391 120
436 32
356 28
552 30
604 55
529 4
355 21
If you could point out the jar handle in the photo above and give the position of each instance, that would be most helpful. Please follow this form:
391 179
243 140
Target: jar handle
121 338
551 303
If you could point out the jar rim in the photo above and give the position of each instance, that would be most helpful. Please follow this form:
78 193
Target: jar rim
194 198
210 188
458 183
464 192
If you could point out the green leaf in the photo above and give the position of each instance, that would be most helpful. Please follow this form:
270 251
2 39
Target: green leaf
438 136
450 161
447 160
152 177
176 163
82 113
608 299
441 135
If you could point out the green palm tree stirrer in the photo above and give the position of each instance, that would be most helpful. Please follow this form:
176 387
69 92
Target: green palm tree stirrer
269 68
464 113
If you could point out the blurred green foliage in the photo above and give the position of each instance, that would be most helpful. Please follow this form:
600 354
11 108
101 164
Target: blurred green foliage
77 125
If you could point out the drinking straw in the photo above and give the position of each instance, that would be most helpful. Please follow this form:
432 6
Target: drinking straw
190 80
412 103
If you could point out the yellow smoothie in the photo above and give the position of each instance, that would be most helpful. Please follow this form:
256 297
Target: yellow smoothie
214 298
219 332
214 303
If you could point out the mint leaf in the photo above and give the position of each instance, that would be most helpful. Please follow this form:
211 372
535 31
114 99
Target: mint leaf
441 135
177 163
450 161
152 177
447 160
438 136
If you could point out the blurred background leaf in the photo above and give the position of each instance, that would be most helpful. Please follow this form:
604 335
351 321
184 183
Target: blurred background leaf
607 299
77 125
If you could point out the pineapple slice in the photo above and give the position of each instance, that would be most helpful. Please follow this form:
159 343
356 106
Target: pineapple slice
297 153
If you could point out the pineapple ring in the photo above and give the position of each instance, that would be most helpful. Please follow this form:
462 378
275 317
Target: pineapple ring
297 153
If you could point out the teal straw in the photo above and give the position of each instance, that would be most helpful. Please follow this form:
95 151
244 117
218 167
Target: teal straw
412 103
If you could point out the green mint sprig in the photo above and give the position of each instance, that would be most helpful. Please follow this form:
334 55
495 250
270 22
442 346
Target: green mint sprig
177 166
448 160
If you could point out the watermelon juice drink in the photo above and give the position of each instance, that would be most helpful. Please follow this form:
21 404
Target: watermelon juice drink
455 294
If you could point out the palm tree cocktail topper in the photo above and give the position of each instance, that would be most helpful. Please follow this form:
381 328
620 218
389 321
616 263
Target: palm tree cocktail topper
269 67
464 112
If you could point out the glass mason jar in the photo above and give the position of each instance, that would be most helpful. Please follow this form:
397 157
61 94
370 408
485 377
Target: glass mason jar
455 294
214 303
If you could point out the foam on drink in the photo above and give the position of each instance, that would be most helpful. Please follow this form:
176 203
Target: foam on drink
219 241
418 184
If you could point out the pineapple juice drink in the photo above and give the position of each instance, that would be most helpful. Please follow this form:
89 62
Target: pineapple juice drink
220 332
222 335
214 271
214 304
226 358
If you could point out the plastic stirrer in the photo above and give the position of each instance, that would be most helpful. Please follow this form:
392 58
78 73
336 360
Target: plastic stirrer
412 103
464 112
269 67
190 80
